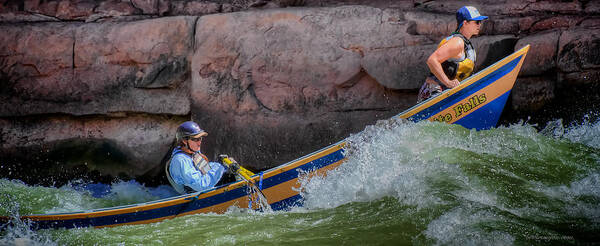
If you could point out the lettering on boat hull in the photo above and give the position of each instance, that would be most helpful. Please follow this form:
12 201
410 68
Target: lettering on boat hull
461 108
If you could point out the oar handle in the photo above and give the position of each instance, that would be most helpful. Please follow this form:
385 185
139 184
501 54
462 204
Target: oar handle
242 171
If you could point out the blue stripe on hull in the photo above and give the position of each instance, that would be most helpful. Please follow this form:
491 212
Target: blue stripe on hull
466 92
485 117
308 167
285 204
111 219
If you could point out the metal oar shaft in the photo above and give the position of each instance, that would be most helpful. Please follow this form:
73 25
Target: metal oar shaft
262 197
245 174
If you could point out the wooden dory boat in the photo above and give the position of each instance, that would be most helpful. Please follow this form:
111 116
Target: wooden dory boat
477 103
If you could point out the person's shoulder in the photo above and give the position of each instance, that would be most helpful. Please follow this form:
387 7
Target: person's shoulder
180 157
455 43
457 40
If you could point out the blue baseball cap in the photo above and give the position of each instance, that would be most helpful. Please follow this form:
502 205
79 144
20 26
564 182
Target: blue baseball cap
468 13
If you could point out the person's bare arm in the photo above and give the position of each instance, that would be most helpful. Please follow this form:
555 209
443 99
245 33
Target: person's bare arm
450 49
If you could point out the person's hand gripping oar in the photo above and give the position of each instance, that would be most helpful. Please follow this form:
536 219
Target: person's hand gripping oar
245 174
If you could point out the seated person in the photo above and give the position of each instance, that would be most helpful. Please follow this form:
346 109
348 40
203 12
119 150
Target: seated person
188 170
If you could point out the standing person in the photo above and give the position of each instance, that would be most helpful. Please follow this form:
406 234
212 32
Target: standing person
455 56
188 170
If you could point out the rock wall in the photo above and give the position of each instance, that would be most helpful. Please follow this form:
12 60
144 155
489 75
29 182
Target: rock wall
96 88
98 83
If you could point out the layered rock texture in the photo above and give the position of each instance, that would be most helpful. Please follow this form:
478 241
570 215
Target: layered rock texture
97 88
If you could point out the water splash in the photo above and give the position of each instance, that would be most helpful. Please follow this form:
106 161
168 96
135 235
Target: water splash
491 187
18 232
75 196
587 132
18 198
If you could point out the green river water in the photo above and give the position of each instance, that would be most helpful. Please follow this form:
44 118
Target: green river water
403 184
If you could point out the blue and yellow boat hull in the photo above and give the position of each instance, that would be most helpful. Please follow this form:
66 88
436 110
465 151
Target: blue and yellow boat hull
476 104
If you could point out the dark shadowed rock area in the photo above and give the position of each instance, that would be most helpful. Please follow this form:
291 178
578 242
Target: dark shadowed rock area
96 89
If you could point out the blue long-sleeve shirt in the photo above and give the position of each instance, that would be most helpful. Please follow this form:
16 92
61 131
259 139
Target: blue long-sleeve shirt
184 172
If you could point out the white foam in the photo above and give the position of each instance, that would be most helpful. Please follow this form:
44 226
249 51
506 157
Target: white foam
575 194
130 192
384 160
586 133
18 233
460 227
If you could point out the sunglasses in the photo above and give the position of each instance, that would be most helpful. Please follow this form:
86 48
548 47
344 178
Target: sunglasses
196 139
478 22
